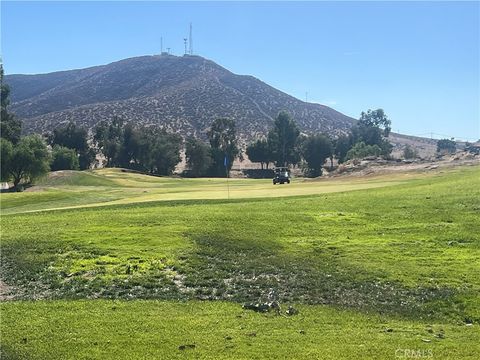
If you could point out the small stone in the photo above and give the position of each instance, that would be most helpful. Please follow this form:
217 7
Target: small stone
426 340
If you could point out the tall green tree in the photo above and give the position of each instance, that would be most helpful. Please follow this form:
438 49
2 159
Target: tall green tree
260 151
64 158
108 137
223 141
198 157
315 150
6 152
25 162
341 146
373 128
76 138
164 152
10 126
283 140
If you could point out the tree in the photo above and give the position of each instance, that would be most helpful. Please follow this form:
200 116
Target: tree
108 138
64 158
164 152
361 150
446 146
342 145
6 151
315 150
148 149
376 118
409 152
75 138
10 126
224 149
260 151
283 140
373 128
198 158
26 161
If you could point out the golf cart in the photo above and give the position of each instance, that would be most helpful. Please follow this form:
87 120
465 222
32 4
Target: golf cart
282 175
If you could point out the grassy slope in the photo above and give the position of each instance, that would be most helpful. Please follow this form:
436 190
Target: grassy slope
112 186
410 252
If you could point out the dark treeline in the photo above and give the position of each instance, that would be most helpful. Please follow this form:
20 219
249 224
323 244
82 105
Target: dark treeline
285 146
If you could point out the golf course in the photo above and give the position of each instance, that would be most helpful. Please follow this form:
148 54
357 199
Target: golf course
115 264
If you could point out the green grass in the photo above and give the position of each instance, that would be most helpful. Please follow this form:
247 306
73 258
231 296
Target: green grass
402 252
219 330
73 189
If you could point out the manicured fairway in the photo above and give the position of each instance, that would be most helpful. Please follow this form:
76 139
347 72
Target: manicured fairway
357 257
112 186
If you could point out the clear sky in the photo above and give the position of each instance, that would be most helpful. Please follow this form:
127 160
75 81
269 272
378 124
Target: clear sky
419 61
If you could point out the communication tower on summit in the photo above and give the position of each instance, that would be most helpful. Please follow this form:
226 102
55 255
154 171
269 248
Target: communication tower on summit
185 43
190 41
161 47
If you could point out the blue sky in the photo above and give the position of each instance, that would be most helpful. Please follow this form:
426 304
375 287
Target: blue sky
419 61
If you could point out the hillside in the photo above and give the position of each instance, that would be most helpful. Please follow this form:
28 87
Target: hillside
180 93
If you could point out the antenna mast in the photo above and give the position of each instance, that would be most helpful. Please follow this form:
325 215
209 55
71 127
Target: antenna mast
191 41
185 43
161 45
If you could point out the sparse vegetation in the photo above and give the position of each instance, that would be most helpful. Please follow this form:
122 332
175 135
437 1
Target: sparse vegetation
446 146
409 152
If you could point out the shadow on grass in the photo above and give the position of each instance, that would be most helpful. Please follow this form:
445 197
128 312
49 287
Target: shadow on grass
226 266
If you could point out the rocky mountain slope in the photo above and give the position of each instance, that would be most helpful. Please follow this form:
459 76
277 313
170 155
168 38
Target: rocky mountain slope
183 94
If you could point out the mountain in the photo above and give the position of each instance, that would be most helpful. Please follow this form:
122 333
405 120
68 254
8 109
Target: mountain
183 94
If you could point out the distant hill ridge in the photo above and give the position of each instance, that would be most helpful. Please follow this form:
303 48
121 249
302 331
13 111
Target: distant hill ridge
183 94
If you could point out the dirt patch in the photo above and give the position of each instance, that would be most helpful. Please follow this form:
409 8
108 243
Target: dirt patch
373 166
6 292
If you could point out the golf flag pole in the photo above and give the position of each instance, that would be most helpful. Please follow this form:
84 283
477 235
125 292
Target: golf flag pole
225 163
